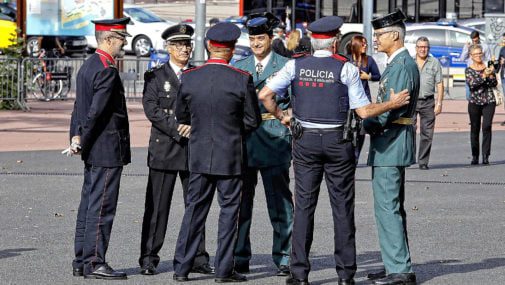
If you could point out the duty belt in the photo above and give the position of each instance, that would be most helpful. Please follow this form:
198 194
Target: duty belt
404 121
267 116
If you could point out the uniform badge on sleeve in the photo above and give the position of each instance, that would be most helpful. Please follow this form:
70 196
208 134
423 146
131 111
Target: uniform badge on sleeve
271 77
167 86
382 90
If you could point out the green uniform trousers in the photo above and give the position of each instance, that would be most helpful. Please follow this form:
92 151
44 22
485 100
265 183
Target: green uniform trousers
388 185
280 209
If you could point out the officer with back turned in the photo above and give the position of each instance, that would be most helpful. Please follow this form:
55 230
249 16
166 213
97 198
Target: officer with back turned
268 152
220 104
99 131
168 150
324 87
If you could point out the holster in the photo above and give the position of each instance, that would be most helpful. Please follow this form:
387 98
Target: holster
352 128
296 128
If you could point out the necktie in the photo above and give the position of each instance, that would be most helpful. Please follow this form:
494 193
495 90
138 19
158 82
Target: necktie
259 68
179 74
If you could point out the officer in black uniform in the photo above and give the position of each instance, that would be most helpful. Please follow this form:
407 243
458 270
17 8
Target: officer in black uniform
99 131
167 154
220 104
324 87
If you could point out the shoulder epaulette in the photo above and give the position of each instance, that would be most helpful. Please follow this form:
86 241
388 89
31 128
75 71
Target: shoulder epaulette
340 57
300 55
239 70
192 68
150 72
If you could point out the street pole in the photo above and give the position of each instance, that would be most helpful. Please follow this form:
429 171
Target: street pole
367 29
293 15
200 11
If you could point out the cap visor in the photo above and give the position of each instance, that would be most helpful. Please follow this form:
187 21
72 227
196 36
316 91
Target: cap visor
179 38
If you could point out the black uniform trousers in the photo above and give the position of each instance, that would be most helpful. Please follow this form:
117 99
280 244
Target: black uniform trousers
95 215
476 112
159 192
200 195
425 108
321 152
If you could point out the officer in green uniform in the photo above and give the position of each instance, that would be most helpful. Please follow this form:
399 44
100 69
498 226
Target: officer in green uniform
392 148
268 152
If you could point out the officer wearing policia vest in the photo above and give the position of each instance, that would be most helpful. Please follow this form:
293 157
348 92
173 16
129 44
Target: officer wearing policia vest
392 148
324 87
268 152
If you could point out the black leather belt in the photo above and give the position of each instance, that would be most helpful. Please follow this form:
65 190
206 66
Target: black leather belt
341 128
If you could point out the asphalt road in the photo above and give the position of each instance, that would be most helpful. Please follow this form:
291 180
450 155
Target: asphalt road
455 217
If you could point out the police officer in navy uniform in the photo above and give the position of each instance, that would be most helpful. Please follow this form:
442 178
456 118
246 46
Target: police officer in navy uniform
99 131
220 104
324 87
168 152
268 153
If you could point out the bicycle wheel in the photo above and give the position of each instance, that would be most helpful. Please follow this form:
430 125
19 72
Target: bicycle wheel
38 87
53 89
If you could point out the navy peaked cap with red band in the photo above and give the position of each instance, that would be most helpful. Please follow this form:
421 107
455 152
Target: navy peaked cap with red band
223 34
178 33
395 18
262 23
113 25
326 27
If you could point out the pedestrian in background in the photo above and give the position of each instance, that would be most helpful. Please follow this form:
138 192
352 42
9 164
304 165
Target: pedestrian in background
392 149
324 87
268 153
482 104
99 131
466 57
167 155
428 106
220 104
368 71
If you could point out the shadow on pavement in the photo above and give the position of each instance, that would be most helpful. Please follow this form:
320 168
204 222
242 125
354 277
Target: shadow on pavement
6 253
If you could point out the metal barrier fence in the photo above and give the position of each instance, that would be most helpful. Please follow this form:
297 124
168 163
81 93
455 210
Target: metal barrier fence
9 81
54 78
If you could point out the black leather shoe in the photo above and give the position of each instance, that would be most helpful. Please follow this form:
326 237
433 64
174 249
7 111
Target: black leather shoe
376 274
283 270
235 277
148 270
244 268
345 281
104 271
180 278
204 269
293 281
475 160
502 123
423 167
77 272
485 159
397 279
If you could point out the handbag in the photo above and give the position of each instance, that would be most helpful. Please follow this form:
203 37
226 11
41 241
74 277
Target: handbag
498 95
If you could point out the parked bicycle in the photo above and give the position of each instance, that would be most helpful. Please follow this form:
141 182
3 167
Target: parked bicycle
50 80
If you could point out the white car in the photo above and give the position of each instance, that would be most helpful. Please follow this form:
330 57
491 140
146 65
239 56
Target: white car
145 28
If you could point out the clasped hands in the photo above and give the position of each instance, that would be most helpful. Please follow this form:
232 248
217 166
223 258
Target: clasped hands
184 130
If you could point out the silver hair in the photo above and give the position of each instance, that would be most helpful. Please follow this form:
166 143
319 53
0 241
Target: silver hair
320 44
400 30
101 36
